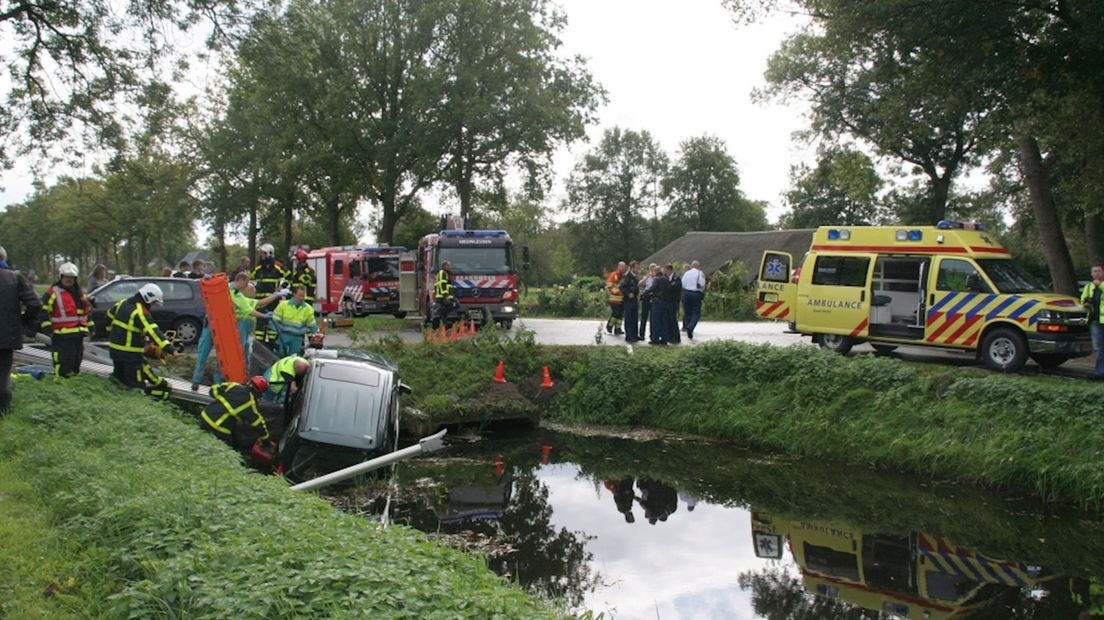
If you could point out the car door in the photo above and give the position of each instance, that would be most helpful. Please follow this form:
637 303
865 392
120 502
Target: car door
775 294
958 292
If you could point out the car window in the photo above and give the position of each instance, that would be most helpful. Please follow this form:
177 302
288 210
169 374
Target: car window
177 291
119 290
841 270
954 275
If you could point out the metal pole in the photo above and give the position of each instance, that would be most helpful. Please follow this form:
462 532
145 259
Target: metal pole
425 445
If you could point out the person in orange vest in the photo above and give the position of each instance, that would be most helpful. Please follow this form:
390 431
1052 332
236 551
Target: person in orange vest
613 324
64 316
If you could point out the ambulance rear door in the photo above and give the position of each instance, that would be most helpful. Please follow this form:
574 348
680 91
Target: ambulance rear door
835 293
775 294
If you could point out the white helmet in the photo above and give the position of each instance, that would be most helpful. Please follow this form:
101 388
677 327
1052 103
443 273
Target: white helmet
68 269
267 251
151 294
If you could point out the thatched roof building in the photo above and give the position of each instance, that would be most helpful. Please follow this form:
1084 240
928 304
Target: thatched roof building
714 249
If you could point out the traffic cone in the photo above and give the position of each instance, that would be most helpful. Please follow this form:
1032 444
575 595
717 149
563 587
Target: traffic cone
472 330
455 335
442 336
546 382
463 329
500 465
545 451
500 373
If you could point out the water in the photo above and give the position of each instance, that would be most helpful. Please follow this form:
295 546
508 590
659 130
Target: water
649 527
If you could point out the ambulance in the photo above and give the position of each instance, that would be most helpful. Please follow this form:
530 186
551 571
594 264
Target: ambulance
952 286
357 280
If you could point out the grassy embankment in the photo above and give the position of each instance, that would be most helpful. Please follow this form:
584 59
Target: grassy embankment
114 506
1045 435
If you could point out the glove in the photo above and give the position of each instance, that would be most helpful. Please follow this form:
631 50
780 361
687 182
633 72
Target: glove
268 315
284 293
207 276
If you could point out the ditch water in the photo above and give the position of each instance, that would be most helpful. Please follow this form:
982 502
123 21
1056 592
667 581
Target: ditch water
666 527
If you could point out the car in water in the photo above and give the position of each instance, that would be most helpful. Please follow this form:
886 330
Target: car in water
347 412
182 312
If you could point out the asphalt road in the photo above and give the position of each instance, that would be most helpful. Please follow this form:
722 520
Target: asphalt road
585 331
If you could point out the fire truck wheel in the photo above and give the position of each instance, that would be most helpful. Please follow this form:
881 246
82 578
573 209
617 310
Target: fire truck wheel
836 342
399 315
1004 349
348 308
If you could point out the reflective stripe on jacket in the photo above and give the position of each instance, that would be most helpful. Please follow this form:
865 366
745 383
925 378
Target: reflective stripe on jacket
612 288
442 287
232 401
64 313
282 372
306 278
266 278
1086 298
129 324
295 318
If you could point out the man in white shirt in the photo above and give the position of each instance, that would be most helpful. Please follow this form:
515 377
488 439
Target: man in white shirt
693 291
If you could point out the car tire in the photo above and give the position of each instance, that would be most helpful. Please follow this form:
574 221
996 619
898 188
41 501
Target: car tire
1004 349
399 315
882 349
507 324
1050 361
187 330
836 342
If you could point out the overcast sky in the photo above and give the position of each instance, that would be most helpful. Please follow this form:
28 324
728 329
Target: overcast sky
676 69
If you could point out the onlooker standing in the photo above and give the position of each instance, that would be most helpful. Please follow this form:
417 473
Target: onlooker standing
1092 300
199 269
693 291
630 295
661 309
98 277
244 265
674 296
19 306
4 259
613 324
647 298
181 270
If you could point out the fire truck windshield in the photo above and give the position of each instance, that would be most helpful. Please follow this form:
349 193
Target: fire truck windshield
382 268
477 260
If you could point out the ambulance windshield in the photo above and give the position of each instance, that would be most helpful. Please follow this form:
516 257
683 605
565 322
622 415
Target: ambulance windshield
1009 277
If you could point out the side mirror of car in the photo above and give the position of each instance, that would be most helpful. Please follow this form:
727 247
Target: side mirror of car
404 388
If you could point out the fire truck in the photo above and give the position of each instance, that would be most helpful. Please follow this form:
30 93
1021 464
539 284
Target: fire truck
357 280
484 274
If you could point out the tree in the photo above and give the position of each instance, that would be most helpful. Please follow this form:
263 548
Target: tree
73 63
508 99
611 189
842 189
703 189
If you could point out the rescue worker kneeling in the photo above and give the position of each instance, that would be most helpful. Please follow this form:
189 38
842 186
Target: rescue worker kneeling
233 415
294 319
130 327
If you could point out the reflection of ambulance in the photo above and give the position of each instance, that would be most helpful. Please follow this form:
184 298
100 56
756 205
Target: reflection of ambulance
951 286
910 575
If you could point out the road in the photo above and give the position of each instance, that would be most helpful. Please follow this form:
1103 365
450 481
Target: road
584 332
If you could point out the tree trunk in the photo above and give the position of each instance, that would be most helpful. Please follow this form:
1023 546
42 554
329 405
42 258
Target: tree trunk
335 221
940 191
388 221
289 221
1094 238
220 235
1046 216
253 231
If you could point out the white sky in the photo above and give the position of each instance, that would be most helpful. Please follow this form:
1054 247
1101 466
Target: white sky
676 69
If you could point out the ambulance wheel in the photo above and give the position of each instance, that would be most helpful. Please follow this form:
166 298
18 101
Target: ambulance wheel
348 308
1004 349
883 348
1049 361
836 342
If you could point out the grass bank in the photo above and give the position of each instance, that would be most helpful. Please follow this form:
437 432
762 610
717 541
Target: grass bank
114 506
1044 435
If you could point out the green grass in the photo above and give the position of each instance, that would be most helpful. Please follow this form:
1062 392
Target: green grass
135 512
384 324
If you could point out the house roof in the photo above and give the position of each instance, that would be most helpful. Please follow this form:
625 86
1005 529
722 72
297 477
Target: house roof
193 256
714 249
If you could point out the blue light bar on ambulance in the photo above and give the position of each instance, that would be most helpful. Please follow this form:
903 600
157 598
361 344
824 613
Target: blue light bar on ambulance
839 235
915 235
949 224
473 233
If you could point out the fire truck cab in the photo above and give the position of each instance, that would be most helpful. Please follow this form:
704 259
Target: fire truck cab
484 274
951 286
357 280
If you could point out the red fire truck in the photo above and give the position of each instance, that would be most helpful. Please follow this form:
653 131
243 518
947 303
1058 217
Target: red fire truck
484 273
356 280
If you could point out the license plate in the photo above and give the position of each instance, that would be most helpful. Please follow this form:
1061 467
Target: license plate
383 298
370 305
475 314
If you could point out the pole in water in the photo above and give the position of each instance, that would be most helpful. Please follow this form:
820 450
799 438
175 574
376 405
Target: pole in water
425 445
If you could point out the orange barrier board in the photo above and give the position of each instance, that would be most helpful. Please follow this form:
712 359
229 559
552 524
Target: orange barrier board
224 327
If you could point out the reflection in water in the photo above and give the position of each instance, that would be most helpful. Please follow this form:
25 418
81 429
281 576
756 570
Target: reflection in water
817 543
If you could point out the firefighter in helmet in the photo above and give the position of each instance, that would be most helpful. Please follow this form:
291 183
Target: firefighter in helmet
233 415
303 275
444 293
64 317
131 325
268 276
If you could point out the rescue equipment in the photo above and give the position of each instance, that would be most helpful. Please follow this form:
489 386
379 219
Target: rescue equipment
224 327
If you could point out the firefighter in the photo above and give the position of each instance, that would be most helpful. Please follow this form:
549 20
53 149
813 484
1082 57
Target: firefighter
130 327
613 324
444 292
302 274
65 311
285 377
268 277
233 415
293 319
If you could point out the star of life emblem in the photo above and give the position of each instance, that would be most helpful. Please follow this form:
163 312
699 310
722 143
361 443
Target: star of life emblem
775 270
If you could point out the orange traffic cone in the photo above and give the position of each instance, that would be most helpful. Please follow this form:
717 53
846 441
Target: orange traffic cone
545 451
455 335
463 329
472 330
547 381
442 336
500 373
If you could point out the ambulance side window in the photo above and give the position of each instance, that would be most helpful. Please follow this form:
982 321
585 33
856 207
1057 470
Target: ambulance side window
954 275
841 270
